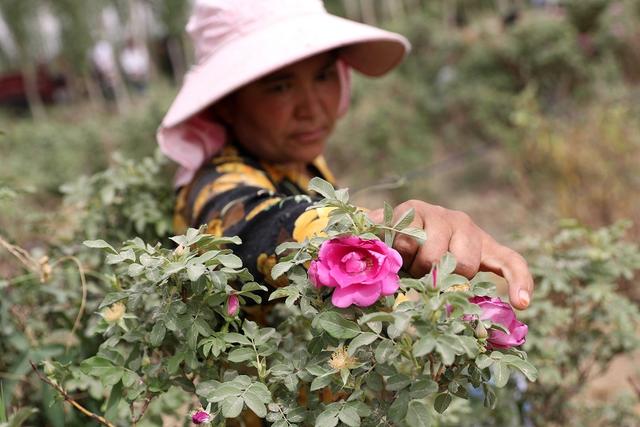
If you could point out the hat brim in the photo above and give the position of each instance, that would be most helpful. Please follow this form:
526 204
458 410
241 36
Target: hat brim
246 58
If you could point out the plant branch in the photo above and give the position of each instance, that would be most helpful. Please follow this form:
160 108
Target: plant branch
83 302
69 399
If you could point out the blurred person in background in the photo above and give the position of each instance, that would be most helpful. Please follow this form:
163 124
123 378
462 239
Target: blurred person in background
134 60
250 124
105 67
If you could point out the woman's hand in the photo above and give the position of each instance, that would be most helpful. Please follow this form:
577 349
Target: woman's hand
473 248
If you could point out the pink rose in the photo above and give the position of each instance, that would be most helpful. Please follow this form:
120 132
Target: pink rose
360 270
233 305
498 311
200 417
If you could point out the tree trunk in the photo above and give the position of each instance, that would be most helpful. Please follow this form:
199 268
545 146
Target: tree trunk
368 12
176 57
352 10
30 78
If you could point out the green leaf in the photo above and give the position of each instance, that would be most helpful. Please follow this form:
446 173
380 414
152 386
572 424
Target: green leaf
365 338
129 378
405 219
386 350
236 338
241 355
337 326
380 316
328 418
195 271
417 233
96 366
442 402
321 381
447 264
280 268
446 351
398 409
322 187
99 244
422 388
230 260
483 361
349 416
20 416
398 382
157 334
174 362
418 414
388 214
225 391
112 298
232 406
501 373
115 397
522 365
425 345
207 389
254 402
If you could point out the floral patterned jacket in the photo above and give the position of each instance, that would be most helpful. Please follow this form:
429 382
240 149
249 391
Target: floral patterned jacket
263 203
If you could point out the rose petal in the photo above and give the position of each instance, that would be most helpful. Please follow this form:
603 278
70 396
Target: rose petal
360 295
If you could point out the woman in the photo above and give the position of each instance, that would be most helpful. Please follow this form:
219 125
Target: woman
251 121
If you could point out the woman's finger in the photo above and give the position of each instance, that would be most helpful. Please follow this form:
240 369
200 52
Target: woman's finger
510 265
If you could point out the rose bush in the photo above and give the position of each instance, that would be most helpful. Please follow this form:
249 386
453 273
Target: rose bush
365 360
361 271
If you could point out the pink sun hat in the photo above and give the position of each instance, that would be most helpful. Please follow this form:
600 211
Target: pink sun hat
239 41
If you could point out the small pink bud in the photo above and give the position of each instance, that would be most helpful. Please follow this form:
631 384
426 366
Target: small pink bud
233 305
200 417
435 276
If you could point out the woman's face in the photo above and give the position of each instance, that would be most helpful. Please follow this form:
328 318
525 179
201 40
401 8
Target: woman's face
287 116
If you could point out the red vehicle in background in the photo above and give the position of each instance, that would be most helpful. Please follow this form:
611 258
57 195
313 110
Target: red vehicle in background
13 91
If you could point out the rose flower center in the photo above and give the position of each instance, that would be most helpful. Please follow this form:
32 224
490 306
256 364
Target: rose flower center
355 263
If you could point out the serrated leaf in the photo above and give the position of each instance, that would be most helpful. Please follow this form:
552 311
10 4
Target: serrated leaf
418 414
349 416
321 381
232 406
328 418
442 402
398 382
230 260
376 317
195 271
236 338
365 338
483 361
405 219
19 417
281 268
501 373
322 187
425 345
417 233
99 244
241 355
157 334
112 298
388 214
337 326
254 402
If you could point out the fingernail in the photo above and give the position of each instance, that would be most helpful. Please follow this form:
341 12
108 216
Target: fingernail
524 297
